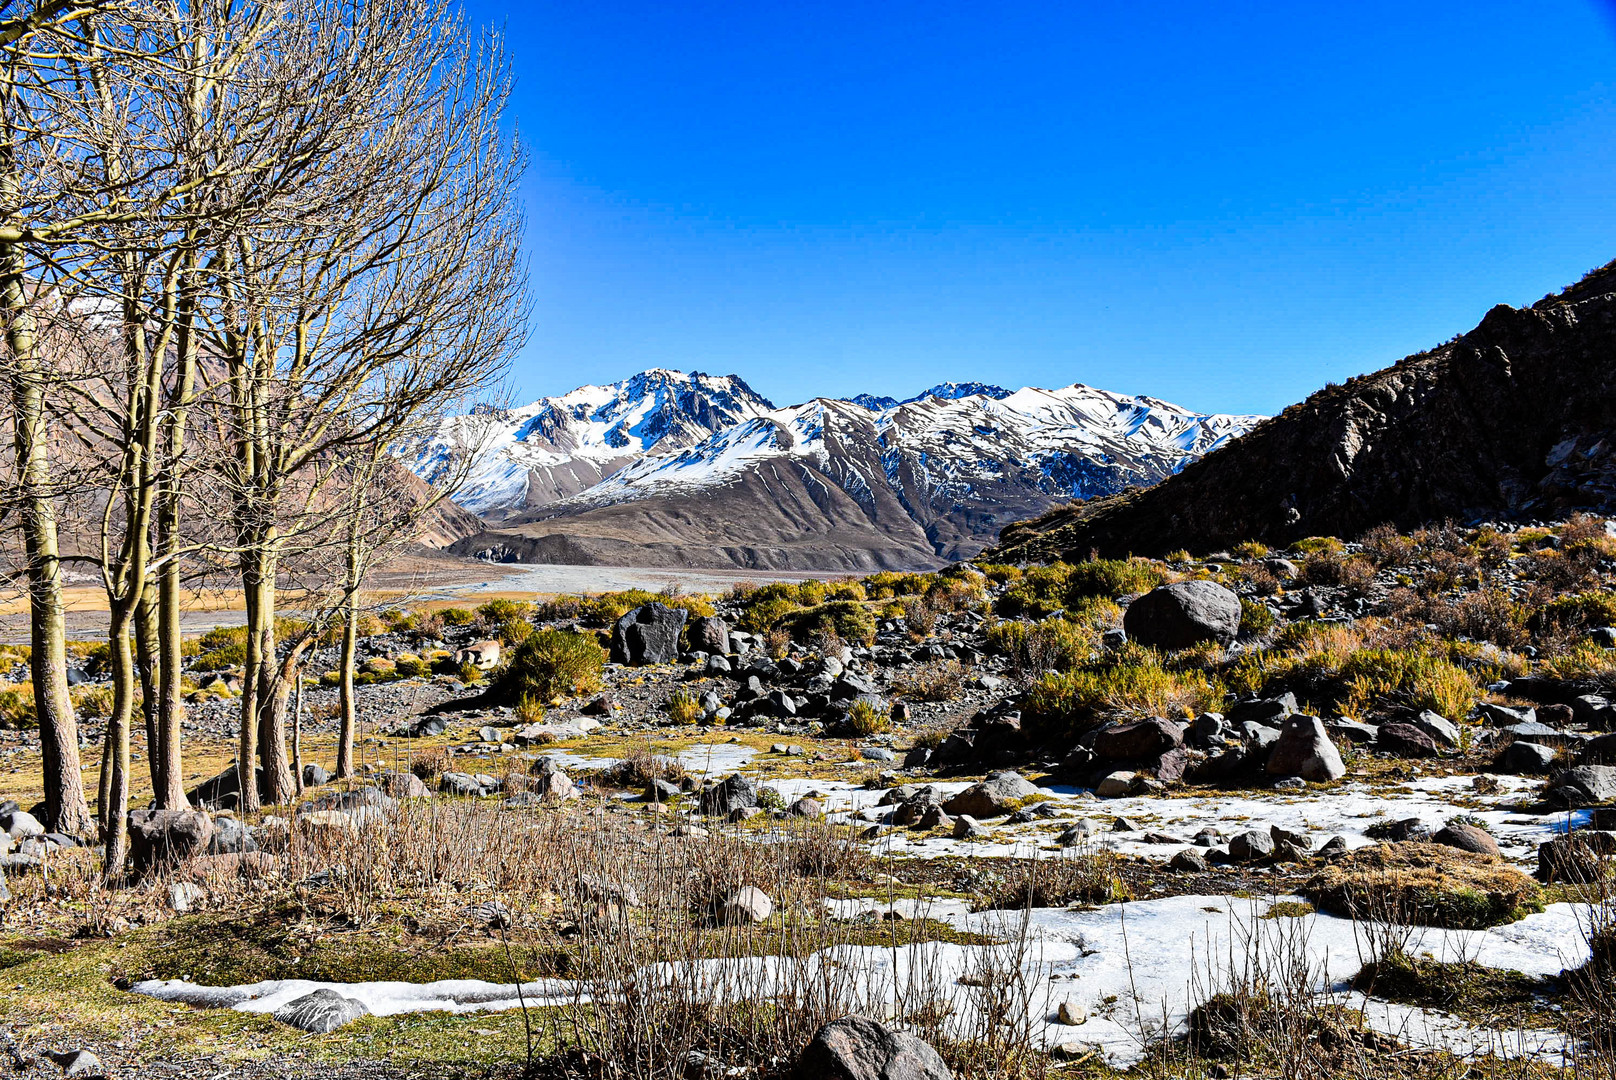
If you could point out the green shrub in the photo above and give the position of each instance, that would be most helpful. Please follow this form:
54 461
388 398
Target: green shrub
683 708
1314 545
1051 645
1000 573
220 659
1249 549
811 593
411 666
1376 678
760 616
457 616
864 719
1130 681
17 705
500 610
1578 611
1111 578
553 664
609 607
1255 619
845 590
849 620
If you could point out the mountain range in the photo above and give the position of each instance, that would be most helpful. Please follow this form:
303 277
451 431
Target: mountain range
674 469
1515 419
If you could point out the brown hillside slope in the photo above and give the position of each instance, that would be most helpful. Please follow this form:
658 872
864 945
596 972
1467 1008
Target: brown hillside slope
1517 418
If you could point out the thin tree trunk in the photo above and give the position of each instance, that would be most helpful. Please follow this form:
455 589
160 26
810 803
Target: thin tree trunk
347 704
122 661
146 651
297 733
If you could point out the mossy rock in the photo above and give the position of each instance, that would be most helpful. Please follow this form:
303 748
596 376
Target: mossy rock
1424 885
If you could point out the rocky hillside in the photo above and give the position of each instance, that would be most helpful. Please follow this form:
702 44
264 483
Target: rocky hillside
1512 419
857 484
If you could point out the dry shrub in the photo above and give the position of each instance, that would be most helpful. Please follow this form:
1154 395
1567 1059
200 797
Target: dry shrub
1385 546
1351 572
683 708
553 664
429 763
1590 1018
1427 884
939 680
642 765
1075 876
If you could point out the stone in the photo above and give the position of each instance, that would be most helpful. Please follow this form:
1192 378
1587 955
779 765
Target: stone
1269 711
1600 751
879 754
967 827
20 824
482 655
1304 749
1207 838
1356 732
648 635
76 1062
1336 845
1405 740
708 634
999 794
1251 846
1466 838
1134 742
230 837
430 726
934 817
403 785
661 791
858 1048
1189 861
1300 840
1504 715
1208 729
1444 731
321 1011
733 791
1071 1013
462 784
1596 782
1183 614
185 895
747 906
315 776
1580 858
806 808
1525 758
555 786
165 837
1076 833
1115 785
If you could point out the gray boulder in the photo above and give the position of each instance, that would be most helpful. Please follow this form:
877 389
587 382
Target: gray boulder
1596 782
999 794
1134 742
648 635
462 784
1439 728
1187 613
1525 758
858 1048
1304 749
1466 838
1251 846
709 634
731 793
20 824
164 837
320 1011
747 906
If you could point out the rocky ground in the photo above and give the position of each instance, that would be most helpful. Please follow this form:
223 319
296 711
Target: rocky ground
1411 730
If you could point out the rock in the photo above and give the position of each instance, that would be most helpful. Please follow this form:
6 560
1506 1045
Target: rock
1134 742
967 827
648 635
999 794
403 785
806 808
165 837
1304 749
747 906
1189 861
321 1011
1352 731
1076 833
661 791
1600 751
1171 766
1115 785
315 776
1405 740
709 634
430 726
1504 715
462 784
555 786
185 895
482 655
934 817
20 824
1208 730
1466 838
733 791
1300 840
858 1048
1596 783
1444 731
1580 859
1525 758
1251 846
1336 845
879 754
1269 711
76 1062
230 837
1403 830
1207 838
1287 852
1184 614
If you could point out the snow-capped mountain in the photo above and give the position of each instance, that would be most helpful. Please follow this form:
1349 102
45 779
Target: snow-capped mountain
832 483
559 446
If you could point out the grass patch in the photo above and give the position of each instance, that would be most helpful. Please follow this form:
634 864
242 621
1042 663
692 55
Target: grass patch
1424 885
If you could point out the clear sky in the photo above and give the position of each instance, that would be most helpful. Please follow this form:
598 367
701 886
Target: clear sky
1224 205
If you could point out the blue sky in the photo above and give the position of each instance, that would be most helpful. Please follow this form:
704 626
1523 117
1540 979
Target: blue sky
1223 205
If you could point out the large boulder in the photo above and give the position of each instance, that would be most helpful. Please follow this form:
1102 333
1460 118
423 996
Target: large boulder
1000 793
1405 740
482 655
1595 783
320 1011
648 635
1467 838
709 634
1187 613
1304 749
1525 757
858 1048
165 837
732 793
1134 742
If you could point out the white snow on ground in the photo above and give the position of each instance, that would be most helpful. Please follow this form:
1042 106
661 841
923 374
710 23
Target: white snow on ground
1128 969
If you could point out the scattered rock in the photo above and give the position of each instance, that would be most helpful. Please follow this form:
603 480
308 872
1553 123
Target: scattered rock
999 794
165 837
747 906
1115 785
1250 846
1183 614
1525 758
1189 861
1304 749
648 635
1467 838
858 1048
320 1011
1135 742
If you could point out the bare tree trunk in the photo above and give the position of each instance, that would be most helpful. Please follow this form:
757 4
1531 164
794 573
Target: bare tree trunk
65 807
122 663
347 705
297 733
146 651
